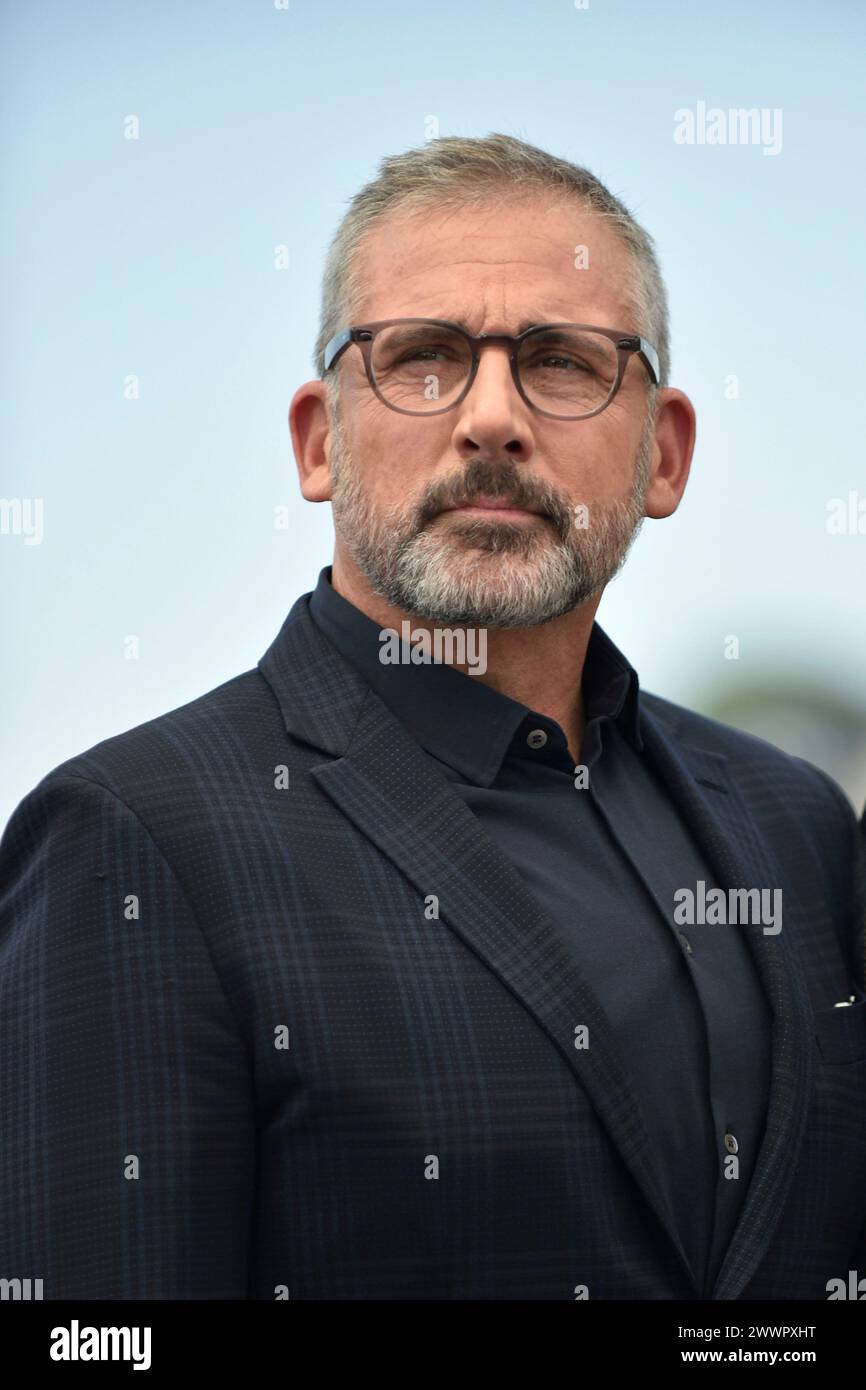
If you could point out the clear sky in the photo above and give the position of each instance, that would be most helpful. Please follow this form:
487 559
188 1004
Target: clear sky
155 258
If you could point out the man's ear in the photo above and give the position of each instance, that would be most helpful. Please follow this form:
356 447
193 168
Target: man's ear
310 431
675 431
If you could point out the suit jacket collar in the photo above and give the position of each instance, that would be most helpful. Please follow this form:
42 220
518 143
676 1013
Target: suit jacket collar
422 825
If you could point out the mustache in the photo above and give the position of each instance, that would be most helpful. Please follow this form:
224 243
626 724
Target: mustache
485 478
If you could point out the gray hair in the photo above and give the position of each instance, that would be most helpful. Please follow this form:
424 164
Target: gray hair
459 171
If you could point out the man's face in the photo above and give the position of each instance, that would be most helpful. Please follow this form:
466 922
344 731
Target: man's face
399 481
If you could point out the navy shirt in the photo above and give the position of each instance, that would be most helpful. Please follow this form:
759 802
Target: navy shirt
687 1006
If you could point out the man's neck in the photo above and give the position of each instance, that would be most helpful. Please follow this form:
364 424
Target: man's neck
540 667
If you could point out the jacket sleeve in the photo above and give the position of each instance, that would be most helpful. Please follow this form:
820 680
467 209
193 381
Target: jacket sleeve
856 847
854 909
852 850
858 870
127 1138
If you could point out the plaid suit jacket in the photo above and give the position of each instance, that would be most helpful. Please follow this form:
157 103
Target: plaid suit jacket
242 1057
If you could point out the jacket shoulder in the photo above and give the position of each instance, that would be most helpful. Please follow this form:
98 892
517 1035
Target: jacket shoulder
183 746
687 726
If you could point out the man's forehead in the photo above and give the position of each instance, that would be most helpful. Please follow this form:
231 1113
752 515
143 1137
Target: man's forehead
538 262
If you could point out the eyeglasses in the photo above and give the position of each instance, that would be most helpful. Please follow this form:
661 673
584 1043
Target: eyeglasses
568 371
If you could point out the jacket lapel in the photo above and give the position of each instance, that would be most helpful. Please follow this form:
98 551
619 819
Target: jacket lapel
707 797
383 782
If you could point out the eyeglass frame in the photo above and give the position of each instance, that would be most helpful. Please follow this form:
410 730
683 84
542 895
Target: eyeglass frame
627 345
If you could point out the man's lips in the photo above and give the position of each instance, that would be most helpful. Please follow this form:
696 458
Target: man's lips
486 505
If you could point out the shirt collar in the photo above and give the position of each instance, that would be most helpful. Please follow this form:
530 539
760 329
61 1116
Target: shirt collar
454 716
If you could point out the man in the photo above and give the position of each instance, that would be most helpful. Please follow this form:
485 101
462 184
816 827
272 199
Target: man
432 958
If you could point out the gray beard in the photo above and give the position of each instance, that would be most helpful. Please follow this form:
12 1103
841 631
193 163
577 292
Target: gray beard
479 572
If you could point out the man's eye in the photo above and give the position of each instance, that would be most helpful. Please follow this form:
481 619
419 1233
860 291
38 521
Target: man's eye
425 353
562 362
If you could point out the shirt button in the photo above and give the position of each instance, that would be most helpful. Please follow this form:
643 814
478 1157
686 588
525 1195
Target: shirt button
731 1143
687 945
537 738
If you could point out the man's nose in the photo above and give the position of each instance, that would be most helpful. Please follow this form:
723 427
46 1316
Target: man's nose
493 416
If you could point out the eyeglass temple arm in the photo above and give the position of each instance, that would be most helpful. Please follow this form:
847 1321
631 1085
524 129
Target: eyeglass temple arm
336 345
651 357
